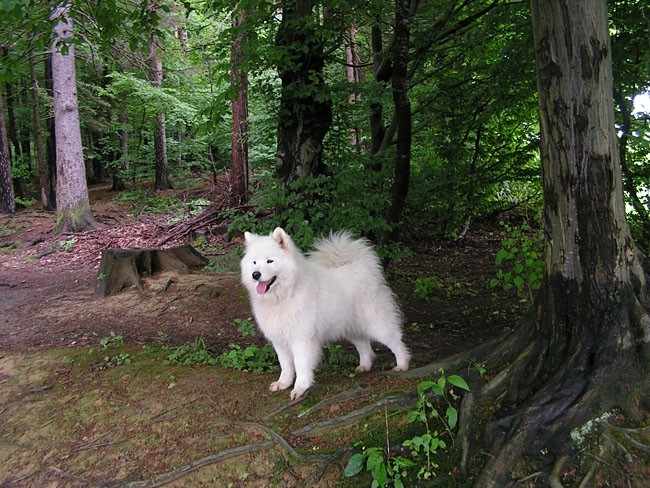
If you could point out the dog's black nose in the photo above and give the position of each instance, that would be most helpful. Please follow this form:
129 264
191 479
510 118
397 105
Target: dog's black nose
257 275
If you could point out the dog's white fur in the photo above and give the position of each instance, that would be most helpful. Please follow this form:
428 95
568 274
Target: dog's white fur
300 303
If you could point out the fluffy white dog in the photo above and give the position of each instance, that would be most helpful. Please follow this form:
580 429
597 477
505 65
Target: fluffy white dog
302 302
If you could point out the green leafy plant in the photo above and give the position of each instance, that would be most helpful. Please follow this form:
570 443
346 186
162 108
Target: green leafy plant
246 327
520 260
191 353
387 470
68 245
112 340
253 358
425 287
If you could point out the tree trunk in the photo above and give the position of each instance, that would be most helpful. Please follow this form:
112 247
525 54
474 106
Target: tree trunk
7 202
44 184
154 61
122 268
583 348
305 110
239 142
402 173
50 143
73 205
354 75
117 171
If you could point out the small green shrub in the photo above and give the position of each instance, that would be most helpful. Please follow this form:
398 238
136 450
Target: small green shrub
388 470
520 260
253 358
68 245
191 353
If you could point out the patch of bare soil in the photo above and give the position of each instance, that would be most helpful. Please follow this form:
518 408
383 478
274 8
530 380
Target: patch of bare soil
66 419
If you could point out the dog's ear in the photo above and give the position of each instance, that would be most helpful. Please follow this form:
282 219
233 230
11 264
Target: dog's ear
249 237
281 237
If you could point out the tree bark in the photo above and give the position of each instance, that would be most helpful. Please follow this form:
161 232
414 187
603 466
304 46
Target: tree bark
123 268
239 142
50 142
43 174
7 202
154 61
305 109
73 204
399 80
583 348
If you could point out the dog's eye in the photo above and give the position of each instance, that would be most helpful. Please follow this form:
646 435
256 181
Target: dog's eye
269 261
254 262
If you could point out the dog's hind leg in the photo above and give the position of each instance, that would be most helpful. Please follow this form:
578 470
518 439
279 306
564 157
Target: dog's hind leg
392 339
366 355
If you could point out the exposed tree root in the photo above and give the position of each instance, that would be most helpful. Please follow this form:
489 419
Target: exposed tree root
163 479
324 459
386 403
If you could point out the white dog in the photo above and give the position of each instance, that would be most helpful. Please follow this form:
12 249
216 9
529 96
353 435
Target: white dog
300 303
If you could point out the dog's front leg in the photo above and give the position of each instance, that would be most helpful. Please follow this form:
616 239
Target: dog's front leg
306 358
287 372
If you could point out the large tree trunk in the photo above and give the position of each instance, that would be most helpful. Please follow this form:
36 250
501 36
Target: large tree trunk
7 202
73 205
305 110
583 349
239 143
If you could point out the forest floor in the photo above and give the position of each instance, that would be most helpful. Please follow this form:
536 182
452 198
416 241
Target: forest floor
88 396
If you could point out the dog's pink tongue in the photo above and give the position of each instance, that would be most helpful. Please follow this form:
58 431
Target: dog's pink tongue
262 286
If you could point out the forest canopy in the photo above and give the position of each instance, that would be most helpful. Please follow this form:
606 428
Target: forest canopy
468 77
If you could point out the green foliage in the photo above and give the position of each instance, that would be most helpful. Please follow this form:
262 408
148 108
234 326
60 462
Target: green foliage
388 470
253 358
113 341
353 198
191 353
143 200
68 244
246 327
520 260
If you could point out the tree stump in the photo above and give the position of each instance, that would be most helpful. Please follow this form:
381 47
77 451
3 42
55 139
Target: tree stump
123 268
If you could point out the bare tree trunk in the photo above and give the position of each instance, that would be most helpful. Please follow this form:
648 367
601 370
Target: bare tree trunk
154 61
354 75
73 204
38 136
7 202
239 144
117 172
402 173
305 111
50 142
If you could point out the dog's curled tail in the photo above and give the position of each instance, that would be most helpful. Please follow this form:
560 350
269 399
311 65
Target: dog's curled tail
340 249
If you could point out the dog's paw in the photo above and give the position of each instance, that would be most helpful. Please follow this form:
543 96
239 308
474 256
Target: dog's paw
362 368
401 367
278 386
296 393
